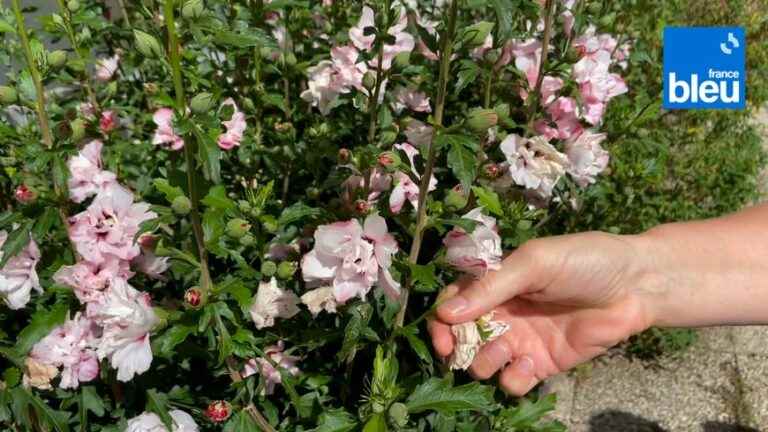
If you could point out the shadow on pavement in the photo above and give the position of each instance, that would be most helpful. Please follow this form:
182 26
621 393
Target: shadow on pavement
614 421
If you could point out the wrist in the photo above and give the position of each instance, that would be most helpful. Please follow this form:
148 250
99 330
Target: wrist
648 281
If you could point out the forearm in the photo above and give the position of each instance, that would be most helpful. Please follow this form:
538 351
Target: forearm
712 272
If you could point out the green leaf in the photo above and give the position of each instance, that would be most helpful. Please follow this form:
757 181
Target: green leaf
5 27
8 218
92 401
170 192
411 333
237 289
526 415
424 277
489 200
361 315
439 395
505 17
158 404
217 199
55 419
42 322
241 422
254 37
463 163
468 73
377 423
297 212
12 376
172 337
17 240
468 225
336 420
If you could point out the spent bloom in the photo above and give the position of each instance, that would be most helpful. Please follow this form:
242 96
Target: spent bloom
471 336
151 422
235 127
164 134
534 163
19 277
352 258
269 373
87 174
271 302
320 299
476 252
69 347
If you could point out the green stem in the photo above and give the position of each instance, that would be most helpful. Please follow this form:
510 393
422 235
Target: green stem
67 17
488 85
124 11
534 96
36 79
446 52
374 103
189 155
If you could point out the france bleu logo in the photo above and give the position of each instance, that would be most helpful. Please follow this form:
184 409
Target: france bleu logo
704 68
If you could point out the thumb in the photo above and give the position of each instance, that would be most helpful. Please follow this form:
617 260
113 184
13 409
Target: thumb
477 297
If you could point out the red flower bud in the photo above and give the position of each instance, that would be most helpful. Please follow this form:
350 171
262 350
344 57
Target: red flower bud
108 121
218 411
24 194
362 206
344 155
193 297
491 170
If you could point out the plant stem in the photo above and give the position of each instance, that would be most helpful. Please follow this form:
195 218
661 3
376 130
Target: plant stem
67 16
534 96
124 11
39 89
373 104
446 52
251 409
189 155
488 85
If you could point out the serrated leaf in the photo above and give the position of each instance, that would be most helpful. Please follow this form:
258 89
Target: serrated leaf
468 73
170 192
158 404
297 212
463 163
336 420
12 376
489 200
424 277
468 225
439 395
526 415
217 199
55 419
241 422
418 345
254 37
360 316
505 17
172 337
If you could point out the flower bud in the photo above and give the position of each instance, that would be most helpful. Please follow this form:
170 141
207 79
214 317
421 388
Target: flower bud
108 121
491 171
398 414
181 205
218 411
73 5
192 9
369 80
388 159
286 269
147 44
76 64
290 59
8 95
403 60
362 206
244 206
78 129
193 297
247 240
57 59
270 224
502 110
25 194
202 103
313 192
475 34
455 199
481 119
268 268
344 156
237 228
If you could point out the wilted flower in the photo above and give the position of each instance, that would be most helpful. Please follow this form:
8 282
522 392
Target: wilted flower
587 158
476 252
352 258
320 299
38 374
18 277
269 373
106 68
87 176
70 347
151 422
235 128
534 163
108 226
164 134
469 339
271 302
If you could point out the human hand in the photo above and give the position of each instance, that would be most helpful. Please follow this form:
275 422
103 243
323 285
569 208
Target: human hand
566 299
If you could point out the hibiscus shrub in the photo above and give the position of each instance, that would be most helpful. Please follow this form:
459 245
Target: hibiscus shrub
237 214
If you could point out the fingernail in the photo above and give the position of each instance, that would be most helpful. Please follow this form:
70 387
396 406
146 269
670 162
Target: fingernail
455 305
524 365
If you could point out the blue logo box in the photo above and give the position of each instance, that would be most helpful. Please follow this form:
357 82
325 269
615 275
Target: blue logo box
704 68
